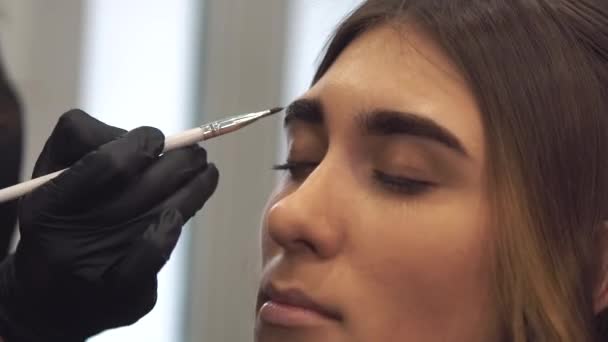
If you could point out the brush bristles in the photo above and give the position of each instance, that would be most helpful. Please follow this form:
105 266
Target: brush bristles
275 110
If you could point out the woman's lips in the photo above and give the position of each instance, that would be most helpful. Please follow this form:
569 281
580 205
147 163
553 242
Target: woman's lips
292 308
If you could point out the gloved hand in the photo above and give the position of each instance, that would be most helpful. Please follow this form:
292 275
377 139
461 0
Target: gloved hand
94 239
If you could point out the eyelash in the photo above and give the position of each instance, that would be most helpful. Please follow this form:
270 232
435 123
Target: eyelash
402 185
298 171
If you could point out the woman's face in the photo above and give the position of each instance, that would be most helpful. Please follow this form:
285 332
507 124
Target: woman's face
378 231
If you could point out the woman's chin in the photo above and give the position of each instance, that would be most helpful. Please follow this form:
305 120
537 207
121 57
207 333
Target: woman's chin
268 332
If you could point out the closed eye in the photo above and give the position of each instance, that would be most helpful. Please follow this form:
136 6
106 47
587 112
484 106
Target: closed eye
298 170
402 185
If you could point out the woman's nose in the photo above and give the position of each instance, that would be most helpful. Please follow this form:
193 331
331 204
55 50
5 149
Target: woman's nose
308 220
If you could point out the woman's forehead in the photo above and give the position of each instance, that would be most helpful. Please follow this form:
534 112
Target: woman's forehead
400 69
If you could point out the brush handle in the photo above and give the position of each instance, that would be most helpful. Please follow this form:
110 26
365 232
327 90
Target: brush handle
186 138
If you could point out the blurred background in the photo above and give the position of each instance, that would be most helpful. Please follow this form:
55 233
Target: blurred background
175 64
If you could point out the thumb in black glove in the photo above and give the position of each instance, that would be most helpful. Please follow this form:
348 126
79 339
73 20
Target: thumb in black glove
94 238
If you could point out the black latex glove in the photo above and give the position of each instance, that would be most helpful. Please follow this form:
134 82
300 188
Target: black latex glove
94 239
11 147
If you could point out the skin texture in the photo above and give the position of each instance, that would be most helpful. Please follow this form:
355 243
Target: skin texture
395 265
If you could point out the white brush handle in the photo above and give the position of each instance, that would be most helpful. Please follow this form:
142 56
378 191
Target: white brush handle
187 138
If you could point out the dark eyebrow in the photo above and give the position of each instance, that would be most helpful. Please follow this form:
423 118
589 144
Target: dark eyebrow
387 122
307 110
379 122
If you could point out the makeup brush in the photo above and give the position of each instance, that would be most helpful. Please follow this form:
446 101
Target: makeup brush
186 138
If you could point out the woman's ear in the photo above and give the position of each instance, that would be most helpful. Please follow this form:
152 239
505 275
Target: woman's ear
600 295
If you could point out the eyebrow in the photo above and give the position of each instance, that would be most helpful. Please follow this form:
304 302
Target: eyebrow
379 122
306 110
388 122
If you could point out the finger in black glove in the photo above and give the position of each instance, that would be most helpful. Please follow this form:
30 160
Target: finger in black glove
94 238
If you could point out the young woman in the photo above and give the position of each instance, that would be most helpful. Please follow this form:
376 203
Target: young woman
447 179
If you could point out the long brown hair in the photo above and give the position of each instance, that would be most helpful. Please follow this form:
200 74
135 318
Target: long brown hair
539 72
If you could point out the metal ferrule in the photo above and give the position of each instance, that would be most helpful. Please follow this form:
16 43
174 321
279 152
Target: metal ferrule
222 127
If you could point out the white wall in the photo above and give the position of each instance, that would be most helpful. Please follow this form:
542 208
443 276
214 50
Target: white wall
41 45
241 72
138 69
